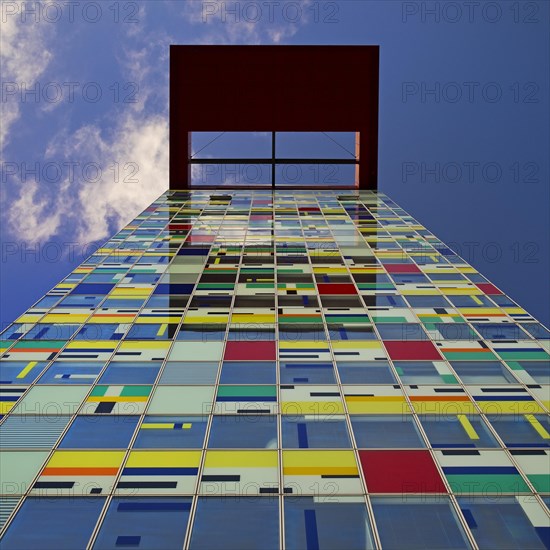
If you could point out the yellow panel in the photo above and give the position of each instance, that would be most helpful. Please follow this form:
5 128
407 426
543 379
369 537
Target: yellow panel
481 311
460 291
145 344
317 471
319 459
240 459
86 459
356 344
172 459
377 405
29 318
122 291
114 318
5 406
157 426
322 269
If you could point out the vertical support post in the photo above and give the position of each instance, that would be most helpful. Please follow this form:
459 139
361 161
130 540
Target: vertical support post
273 139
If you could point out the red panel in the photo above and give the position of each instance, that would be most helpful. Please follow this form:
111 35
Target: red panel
336 288
412 351
250 351
402 268
488 288
401 472
274 88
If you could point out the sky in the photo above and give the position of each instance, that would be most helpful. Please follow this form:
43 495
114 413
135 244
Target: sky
464 122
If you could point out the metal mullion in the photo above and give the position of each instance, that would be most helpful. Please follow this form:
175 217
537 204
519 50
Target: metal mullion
142 415
376 537
196 496
277 370
450 494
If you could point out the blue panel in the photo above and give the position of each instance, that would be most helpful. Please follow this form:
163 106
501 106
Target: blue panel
248 372
243 431
240 524
71 372
129 372
187 433
365 372
500 522
418 523
386 432
43 331
401 331
417 372
98 331
53 524
145 523
301 432
500 331
517 431
100 432
312 525
446 431
11 371
483 372
307 373
536 330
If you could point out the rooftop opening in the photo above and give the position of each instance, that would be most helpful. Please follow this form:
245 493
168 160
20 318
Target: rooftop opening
274 159
274 116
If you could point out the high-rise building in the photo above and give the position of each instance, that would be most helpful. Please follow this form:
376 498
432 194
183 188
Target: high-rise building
275 368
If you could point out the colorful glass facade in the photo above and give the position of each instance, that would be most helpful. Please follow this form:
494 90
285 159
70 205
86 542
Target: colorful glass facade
296 369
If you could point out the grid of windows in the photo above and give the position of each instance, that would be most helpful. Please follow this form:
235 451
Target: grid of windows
297 369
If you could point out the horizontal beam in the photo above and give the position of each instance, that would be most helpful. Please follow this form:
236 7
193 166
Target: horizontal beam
272 161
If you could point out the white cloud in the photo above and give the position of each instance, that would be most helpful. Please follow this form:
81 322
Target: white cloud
24 56
107 198
32 217
135 141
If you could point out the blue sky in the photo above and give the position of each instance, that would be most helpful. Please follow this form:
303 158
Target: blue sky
464 122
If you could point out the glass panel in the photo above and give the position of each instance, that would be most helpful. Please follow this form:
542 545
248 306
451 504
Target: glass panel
386 432
56 523
315 145
315 523
302 432
429 522
146 522
244 523
244 431
206 145
486 372
461 431
171 432
100 432
506 522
